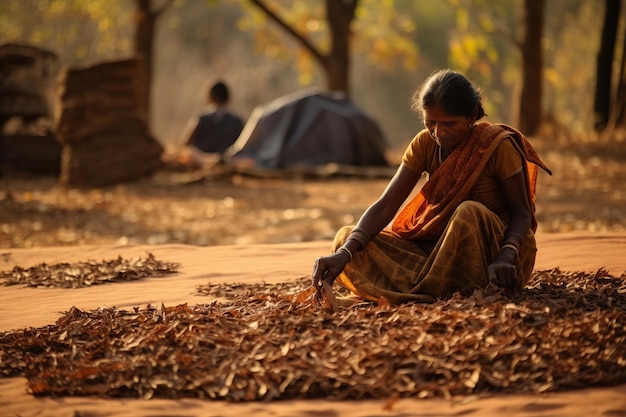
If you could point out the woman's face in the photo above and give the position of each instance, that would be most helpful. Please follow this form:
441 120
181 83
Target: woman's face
448 131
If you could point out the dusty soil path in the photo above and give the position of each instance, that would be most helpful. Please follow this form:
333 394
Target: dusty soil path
586 193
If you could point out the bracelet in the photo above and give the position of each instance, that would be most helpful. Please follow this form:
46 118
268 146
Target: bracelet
511 246
345 250
354 238
514 239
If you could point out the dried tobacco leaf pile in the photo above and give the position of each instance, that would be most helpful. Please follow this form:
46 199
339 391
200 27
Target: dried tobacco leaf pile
84 274
565 330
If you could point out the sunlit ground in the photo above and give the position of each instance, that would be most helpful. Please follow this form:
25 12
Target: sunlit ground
586 193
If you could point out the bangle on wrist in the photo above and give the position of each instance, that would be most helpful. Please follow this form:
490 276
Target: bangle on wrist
347 251
514 239
510 246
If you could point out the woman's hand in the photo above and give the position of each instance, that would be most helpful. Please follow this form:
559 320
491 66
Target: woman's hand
329 267
375 218
502 272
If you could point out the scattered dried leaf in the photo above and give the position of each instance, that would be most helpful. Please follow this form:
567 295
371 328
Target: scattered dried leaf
84 274
263 341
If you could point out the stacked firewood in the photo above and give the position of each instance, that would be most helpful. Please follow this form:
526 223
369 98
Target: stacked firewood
103 127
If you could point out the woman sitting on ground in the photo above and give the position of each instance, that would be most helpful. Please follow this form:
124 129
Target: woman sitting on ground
470 225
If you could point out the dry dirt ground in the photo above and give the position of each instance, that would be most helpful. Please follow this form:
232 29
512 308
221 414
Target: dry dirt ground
586 192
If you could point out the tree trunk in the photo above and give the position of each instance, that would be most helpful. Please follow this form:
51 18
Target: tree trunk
532 66
144 37
620 98
604 64
337 63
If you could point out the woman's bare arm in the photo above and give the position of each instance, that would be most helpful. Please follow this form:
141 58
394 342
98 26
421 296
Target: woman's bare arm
375 218
502 271
383 210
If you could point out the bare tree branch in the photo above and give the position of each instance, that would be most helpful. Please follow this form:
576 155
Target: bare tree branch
303 41
161 9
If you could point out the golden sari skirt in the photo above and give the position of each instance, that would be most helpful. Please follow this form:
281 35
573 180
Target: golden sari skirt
403 270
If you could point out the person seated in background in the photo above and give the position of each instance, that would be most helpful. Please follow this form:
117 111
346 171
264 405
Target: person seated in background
216 130
473 222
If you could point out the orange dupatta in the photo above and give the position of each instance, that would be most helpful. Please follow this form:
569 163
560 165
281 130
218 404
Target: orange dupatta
426 216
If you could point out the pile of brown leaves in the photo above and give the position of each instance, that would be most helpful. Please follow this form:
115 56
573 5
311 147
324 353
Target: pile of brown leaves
84 274
565 330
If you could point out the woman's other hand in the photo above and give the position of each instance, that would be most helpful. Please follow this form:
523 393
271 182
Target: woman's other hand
329 267
502 272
